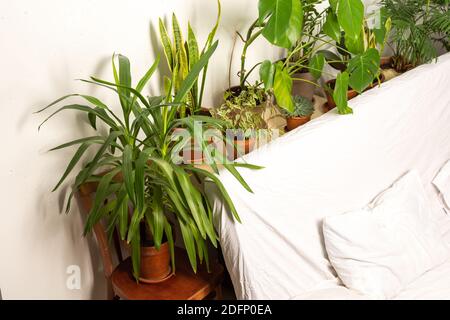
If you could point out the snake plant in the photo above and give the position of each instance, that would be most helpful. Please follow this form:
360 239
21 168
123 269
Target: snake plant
182 56
139 148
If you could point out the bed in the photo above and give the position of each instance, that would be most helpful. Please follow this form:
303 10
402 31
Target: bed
329 166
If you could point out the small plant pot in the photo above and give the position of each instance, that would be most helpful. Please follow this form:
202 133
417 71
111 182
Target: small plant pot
386 62
304 88
155 264
240 147
295 122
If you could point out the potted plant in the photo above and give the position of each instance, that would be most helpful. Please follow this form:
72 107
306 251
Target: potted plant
279 22
357 55
138 172
181 57
417 28
301 56
303 109
241 114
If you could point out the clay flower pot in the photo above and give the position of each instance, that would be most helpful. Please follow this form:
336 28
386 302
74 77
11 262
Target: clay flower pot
155 264
240 147
294 122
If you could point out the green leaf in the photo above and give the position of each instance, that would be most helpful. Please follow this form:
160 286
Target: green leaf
86 109
333 5
134 228
363 69
94 139
119 87
104 189
350 14
331 27
231 168
167 46
340 93
192 77
158 220
139 178
189 243
282 88
267 73
247 165
316 64
124 73
136 252
193 51
123 217
146 78
191 195
170 240
284 25
354 45
221 188
83 147
128 172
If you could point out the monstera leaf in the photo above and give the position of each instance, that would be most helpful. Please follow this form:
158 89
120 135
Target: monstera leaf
267 73
316 64
284 19
350 14
282 87
340 93
363 68
331 27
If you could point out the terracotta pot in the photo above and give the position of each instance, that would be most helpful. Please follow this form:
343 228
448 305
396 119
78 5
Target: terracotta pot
240 147
155 264
193 153
294 122
303 88
386 62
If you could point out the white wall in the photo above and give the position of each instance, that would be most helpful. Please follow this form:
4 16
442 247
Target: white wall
45 45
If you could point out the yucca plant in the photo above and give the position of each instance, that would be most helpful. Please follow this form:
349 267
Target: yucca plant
139 148
418 26
182 56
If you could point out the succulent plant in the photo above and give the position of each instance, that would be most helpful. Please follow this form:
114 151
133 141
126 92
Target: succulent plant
302 107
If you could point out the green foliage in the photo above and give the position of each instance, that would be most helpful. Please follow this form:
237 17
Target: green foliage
302 107
283 21
182 56
139 147
417 26
363 68
239 111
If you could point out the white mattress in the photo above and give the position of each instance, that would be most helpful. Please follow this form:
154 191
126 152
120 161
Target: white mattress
331 165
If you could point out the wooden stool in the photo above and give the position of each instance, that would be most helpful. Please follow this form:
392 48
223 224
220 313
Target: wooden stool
183 285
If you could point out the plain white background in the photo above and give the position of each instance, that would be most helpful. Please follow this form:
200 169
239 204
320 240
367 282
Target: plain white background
45 46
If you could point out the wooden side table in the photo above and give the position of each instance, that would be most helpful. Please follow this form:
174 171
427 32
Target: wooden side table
184 285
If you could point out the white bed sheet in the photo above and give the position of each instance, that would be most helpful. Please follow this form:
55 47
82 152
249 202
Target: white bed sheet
329 166
433 285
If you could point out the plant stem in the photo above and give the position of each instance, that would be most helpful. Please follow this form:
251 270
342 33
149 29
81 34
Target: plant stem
248 41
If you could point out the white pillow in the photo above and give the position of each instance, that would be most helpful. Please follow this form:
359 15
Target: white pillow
381 248
442 183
